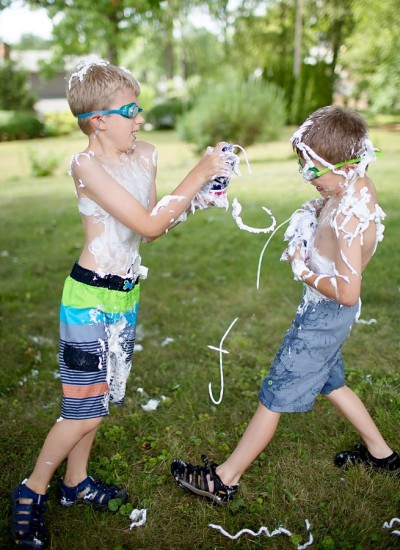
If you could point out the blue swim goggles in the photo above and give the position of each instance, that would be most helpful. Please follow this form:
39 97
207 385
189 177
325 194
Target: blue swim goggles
128 111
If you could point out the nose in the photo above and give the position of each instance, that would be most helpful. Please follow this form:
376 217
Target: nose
139 119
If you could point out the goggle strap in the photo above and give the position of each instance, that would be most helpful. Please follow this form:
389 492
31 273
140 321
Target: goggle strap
110 112
85 115
340 164
123 112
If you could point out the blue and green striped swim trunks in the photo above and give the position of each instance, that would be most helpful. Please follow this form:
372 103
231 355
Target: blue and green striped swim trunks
97 338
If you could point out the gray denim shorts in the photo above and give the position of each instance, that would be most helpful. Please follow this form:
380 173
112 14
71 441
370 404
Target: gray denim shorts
309 361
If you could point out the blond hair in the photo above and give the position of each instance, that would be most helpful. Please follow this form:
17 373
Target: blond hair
336 134
92 87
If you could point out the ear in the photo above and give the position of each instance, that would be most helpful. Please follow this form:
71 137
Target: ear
97 122
348 167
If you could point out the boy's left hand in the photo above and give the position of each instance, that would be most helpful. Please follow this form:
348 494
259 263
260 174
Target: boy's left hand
297 252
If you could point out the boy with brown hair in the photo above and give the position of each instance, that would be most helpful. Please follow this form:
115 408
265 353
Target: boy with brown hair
114 179
331 241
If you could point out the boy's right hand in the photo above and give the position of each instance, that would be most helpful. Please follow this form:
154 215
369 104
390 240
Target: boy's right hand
214 163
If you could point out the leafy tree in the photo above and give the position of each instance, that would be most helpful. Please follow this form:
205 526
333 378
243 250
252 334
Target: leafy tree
118 30
372 58
225 18
14 89
30 41
268 42
175 57
203 54
303 55
105 26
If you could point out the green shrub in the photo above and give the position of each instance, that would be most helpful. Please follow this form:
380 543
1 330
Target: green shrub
20 125
164 115
43 165
59 124
238 112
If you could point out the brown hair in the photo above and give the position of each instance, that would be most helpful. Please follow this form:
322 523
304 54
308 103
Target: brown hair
92 87
334 133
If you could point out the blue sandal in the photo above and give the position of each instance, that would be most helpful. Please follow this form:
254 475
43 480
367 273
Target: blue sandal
27 519
90 491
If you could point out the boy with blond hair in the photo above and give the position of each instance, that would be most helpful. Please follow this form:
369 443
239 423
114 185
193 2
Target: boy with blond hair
114 180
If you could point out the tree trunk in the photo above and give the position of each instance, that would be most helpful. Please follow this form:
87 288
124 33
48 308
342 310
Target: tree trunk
298 39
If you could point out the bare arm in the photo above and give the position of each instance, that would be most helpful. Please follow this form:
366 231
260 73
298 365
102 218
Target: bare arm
153 189
345 285
119 203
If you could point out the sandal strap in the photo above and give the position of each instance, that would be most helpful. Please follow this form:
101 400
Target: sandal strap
28 522
197 479
91 491
187 472
100 493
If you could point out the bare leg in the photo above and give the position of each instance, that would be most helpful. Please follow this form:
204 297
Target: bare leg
78 458
256 437
351 406
63 437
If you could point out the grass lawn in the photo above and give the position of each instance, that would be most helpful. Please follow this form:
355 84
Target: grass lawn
201 276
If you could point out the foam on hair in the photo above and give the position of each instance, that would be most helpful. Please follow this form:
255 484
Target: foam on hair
92 86
332 135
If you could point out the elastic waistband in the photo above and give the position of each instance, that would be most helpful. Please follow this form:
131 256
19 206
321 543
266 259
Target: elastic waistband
112 282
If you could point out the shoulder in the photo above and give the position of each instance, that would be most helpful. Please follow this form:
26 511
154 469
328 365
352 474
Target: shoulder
86 168
147 150
82 161
358 213
144 147
359 201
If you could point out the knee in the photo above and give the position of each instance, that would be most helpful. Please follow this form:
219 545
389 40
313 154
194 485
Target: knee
328 395
89 424
334 394
94 423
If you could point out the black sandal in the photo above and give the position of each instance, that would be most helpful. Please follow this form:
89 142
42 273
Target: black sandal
360 455
193 479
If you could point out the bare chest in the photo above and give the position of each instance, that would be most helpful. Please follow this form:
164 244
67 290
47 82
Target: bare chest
325 239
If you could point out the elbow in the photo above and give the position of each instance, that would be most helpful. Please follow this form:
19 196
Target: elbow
150 235
146 240
152 231
348 293
349 300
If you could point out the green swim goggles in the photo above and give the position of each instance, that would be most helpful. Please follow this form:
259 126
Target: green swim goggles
131 110
313 173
